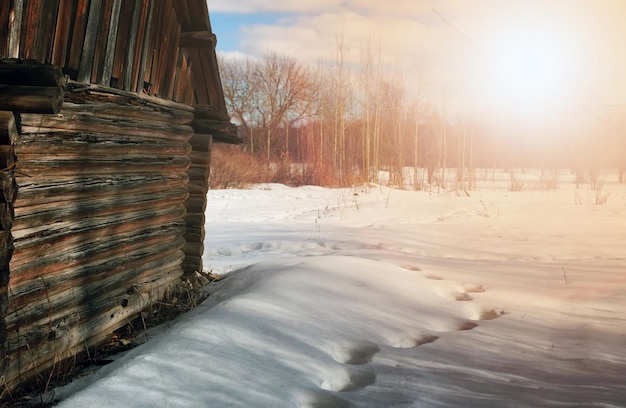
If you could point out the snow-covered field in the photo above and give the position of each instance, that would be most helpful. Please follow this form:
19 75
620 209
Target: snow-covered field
372 297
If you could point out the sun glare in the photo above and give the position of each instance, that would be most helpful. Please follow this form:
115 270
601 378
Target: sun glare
528 69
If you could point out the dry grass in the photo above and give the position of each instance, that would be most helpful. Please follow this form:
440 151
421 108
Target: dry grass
231 167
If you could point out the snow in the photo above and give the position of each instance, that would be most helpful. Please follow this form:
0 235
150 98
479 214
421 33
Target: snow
374 297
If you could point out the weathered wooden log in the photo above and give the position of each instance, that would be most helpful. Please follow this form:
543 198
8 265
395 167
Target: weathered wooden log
197 39
192 264
69 232
8 128
76 88
198 188
38 147
116 106
69 122
198 174
30 73
94 166
194 249
33 99
8 187
47 214
200 158
6 252
41 190
107 273
201 142
195 204
194 219
87 324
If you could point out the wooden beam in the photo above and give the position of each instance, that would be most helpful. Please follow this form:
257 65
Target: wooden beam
146 48
132 44
111 41
198 39
89 44
62 34
33 74
15 24
32 99
8 128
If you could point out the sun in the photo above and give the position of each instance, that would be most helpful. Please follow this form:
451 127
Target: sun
529 68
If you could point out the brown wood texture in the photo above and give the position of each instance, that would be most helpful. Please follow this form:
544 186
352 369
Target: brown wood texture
163 48
98 228
103 178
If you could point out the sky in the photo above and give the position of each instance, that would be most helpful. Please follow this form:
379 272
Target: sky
524 57
376 297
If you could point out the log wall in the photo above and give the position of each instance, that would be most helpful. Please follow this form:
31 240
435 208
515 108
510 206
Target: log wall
99 221
108 109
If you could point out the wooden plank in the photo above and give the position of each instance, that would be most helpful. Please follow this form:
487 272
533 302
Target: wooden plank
89 42
152 60
132 45
30 41
78 35
50 13
15 28
200 96
101 40
5 12
121 45
141 32
107 70
171 66
62 33
146 48
167 30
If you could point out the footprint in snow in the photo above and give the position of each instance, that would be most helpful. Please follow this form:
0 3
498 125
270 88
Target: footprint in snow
354 352
411 340
318 399
340 379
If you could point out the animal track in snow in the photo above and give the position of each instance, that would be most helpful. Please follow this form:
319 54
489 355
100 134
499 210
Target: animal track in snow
354 352
341 379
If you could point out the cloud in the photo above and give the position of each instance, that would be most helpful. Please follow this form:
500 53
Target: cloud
450 41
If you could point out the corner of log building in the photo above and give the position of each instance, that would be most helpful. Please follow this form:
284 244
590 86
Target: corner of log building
107 119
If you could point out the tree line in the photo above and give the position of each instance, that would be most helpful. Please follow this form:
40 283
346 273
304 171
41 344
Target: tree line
339 123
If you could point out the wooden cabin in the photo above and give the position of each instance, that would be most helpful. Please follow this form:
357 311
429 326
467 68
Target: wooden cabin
108 110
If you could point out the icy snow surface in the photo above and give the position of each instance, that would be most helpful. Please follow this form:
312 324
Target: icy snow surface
372 297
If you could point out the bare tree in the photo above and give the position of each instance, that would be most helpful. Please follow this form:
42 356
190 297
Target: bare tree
239 92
